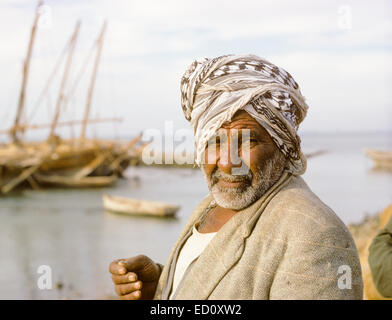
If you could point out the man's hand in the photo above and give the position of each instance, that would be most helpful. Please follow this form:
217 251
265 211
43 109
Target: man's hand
135 278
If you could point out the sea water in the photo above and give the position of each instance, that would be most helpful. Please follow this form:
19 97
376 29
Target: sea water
69 233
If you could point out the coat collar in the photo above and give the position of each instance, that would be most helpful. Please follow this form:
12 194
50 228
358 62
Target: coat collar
218 257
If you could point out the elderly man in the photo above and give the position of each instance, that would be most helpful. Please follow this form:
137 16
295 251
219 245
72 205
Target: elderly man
261 233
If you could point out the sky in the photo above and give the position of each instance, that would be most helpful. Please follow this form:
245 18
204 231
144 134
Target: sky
338 51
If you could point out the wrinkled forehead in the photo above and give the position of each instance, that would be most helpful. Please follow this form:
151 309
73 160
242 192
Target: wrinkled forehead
242 120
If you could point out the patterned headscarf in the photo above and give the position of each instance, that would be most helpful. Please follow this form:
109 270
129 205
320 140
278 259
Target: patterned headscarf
213 90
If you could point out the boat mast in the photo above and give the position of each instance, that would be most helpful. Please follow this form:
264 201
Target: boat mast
92 81
61 96
26 67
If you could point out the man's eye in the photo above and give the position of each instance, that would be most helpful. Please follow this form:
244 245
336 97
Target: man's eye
251 141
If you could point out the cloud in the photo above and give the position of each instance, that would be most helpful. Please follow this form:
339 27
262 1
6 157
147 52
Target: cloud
149 44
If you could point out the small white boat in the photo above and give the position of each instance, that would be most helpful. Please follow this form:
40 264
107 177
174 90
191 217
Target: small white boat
381 158
138 207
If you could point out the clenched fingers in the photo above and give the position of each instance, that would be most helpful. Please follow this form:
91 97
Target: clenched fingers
125 289
126 278
118 267
135 263
136 295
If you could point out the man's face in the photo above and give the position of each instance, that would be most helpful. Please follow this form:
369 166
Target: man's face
241 162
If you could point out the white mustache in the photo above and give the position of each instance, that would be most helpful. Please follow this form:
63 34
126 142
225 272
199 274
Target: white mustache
218 174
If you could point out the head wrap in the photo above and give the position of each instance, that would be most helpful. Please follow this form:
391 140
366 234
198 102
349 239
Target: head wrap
213 90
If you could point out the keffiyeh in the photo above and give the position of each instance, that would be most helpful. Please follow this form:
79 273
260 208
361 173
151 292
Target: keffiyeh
213 90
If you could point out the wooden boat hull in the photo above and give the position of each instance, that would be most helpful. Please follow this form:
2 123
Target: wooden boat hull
138 207
72 182
382 159
43 162
92 163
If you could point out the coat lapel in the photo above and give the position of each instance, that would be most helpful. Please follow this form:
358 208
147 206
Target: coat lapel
224 250
166 278
213 263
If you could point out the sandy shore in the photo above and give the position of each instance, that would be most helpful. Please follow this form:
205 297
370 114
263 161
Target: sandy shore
363 234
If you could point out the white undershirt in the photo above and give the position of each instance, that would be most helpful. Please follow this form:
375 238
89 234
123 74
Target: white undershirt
191 250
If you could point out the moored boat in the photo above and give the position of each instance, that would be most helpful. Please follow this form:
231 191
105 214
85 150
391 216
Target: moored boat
138 207
78 161
381 158
75 182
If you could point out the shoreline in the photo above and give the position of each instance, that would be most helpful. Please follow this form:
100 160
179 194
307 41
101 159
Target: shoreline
363 234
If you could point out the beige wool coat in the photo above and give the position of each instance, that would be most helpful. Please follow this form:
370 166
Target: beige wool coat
286 245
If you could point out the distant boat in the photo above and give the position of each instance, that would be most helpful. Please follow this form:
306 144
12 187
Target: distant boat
315 153
138 207
75 182
381 158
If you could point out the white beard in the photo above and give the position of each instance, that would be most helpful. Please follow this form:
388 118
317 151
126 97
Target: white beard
254 186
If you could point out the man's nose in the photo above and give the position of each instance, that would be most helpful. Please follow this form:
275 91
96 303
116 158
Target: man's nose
229 158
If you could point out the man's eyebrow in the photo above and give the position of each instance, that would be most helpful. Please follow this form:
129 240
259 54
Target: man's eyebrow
252 134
